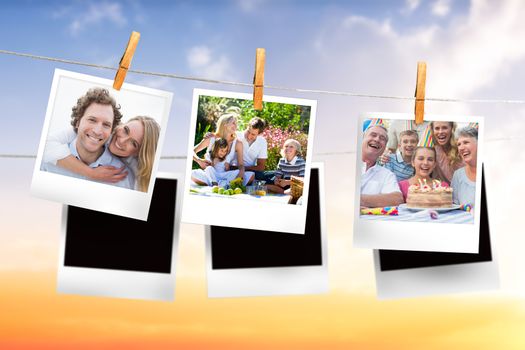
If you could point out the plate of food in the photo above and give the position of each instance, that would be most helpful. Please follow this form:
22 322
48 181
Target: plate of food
439 210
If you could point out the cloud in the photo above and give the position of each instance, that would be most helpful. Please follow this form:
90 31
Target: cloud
204 63
441 8
410 6
95 13
464 56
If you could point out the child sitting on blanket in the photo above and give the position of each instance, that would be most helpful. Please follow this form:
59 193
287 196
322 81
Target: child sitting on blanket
290 164
219 172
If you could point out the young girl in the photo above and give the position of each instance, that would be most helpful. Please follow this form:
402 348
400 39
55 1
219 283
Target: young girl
424 162
219 173
226 129
290 164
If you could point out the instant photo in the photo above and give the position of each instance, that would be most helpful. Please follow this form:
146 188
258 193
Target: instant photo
243 262
247 168
100 148
109 255
409 273
418 186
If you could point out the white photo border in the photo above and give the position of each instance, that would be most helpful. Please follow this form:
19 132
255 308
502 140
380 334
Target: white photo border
419 236
121 283
284 217
271 281
445 279
89 194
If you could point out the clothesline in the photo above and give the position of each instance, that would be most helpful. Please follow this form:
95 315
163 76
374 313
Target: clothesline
179 157
175 76
225 82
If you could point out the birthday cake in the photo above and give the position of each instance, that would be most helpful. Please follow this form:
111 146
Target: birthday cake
434 195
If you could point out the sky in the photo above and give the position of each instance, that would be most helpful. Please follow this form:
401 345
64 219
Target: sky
473 50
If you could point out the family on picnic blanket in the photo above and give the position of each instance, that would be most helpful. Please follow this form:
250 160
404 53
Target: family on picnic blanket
403 154
232 153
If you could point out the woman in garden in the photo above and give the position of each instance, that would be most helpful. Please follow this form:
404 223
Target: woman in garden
226 129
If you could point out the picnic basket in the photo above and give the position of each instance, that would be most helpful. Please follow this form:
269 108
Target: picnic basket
296 187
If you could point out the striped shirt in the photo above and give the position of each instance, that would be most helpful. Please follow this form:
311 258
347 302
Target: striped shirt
286 169
399 167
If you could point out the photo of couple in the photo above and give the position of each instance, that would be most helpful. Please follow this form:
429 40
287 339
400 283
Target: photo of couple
425 172
101 145
100 148
250 154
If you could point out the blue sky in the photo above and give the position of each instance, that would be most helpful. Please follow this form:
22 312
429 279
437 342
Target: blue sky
474 49
213 39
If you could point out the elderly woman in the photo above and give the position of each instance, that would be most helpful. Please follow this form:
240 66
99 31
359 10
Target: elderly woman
447 156
226 128
464 179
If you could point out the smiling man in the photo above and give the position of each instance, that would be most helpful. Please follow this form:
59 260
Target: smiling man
379 186
255 148
93 119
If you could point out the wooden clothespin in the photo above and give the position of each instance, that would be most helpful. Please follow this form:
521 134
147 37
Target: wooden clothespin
420 92
258 79
125 61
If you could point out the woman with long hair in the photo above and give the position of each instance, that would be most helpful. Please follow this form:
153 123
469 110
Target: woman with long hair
445 144
139 151
226 127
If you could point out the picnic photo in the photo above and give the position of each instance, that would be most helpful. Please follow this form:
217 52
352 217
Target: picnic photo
428 172
241 153
249 168
100 147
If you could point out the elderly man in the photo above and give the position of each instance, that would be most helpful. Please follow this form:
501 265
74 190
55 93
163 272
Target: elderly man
93 119
379 187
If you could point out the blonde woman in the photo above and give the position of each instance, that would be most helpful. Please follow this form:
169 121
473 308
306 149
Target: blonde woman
226 129
134 142
447 156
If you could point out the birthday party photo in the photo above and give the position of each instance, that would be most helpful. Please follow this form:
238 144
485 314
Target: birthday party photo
242 153
427 172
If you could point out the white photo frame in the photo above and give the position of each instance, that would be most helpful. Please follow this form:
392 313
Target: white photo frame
286 217
120 276
135 100
440 273
458 234
290 278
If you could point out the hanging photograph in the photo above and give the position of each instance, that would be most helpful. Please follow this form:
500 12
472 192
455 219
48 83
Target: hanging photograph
123 257
418 186
100 148
248 168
